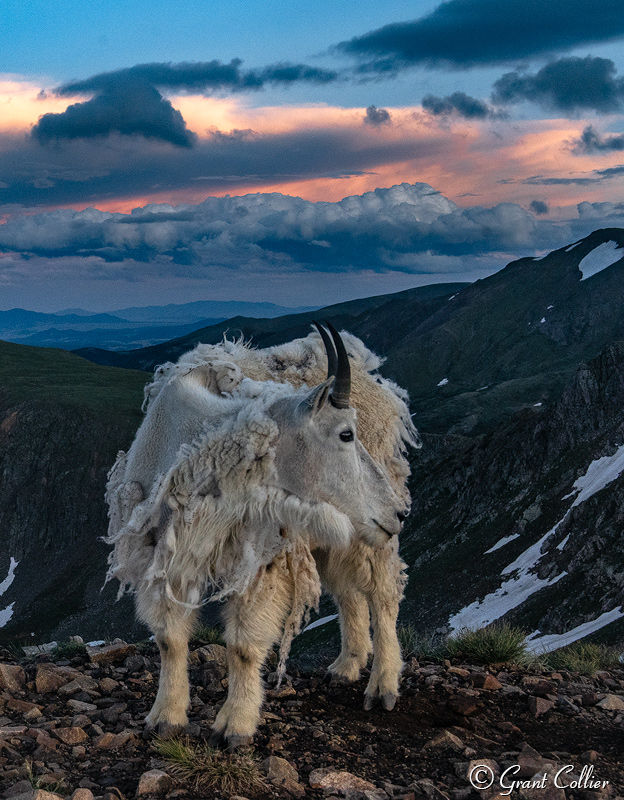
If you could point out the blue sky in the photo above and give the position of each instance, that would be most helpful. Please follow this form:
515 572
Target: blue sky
511 113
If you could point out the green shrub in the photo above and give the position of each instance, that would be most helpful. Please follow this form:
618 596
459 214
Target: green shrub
583 657
496 644
67 650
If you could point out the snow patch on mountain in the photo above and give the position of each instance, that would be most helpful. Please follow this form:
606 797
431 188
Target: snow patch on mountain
443 382
318 622
510 594
546 644
600 258
525 582
501 543
10 577
7 613
599 474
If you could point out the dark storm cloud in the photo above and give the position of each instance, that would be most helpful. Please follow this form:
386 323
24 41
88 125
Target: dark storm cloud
376 116
456 104
84 171
569 84
128 101
611 172
539 207
125 108
204 76
591 141
468 33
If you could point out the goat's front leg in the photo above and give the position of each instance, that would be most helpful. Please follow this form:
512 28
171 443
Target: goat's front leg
340 573
384 595
172 625
253 623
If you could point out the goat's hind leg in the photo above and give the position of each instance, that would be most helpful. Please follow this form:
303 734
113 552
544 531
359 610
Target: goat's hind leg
172 625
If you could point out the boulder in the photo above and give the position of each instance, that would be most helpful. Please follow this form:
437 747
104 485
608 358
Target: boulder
155 781
114 653
612 702
339 781
12 677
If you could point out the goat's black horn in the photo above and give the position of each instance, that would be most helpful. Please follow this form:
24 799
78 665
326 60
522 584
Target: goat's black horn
332 358
341 390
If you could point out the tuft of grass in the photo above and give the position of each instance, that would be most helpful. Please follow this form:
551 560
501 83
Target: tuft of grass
37 782
415 644
207 634
496 644
65 650
208 769
12 651
146 647
583 657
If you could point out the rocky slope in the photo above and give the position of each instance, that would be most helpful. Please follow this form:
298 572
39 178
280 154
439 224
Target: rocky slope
78 727
527 521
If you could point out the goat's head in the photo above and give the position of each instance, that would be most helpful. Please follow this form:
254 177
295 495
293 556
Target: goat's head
320 458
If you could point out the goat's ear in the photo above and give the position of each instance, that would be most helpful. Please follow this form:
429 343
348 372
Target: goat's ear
317 397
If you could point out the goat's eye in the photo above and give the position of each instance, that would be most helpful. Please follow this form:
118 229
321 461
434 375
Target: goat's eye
347 436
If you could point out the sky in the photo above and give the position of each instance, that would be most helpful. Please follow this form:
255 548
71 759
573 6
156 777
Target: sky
301 153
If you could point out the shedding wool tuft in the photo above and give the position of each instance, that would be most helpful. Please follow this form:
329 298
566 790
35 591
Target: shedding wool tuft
214 518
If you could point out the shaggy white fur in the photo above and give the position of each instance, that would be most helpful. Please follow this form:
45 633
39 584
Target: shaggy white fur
200 509
224 518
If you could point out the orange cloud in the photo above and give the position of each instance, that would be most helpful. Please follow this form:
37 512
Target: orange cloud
21 104
477 163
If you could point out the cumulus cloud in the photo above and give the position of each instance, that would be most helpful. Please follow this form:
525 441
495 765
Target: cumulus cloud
125 108
275 246
457 104
388 229
539 207
600 211
468 33
569 84
591 141
376 116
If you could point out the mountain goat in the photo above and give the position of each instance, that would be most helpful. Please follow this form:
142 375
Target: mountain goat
248 474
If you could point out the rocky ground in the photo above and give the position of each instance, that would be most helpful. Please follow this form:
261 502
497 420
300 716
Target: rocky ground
74 729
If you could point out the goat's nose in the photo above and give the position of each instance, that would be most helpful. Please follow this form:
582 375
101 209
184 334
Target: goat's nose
401 516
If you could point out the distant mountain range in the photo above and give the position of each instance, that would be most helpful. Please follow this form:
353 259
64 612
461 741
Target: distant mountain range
517 386
125 328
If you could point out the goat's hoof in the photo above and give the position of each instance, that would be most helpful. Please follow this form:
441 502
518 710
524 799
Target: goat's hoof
388 700
370 701
236 742
336 679
166 730
217 740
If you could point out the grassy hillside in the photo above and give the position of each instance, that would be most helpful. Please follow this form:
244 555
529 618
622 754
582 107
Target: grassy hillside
55 376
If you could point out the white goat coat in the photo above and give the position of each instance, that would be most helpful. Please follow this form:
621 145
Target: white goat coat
194 503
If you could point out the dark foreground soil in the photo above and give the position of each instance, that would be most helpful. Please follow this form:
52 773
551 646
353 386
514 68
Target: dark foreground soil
75 729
